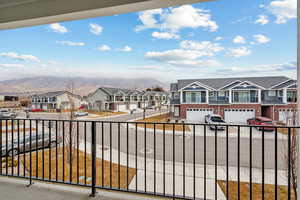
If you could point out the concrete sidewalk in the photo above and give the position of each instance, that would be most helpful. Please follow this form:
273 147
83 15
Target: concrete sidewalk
159 176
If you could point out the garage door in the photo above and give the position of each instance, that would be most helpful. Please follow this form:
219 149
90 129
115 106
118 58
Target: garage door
239 115
133 106
287 116
197 114
121 108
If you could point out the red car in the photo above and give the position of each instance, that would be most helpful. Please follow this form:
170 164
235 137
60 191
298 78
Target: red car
37 110
262 121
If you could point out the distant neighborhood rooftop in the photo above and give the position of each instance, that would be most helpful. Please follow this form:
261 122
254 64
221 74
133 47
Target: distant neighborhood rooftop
126 91
267 82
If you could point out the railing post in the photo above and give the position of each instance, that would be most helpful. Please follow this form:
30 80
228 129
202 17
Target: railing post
93 149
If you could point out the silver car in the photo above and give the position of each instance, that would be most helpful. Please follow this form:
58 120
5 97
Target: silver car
6 114
24 144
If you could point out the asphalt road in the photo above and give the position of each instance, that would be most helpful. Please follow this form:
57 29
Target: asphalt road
197 149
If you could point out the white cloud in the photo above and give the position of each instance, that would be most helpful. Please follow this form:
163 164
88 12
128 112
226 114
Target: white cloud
104 48
165 35
11 65
148 19
175 54
262 19
238 52
218 38
125 49
57 28
147 67
23 57
261 39
70 43
261 69
196 63
188 54
284 10
207 48
174 19
95 29
239 40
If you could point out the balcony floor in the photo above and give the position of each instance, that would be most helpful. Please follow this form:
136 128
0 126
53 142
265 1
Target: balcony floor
12 188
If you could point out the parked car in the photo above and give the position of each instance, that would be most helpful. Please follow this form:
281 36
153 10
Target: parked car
36 143
81 114
6 114
150 107
262 121
215 119
37 110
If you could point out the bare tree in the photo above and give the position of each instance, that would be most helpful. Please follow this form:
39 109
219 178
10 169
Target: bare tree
292 153
71 126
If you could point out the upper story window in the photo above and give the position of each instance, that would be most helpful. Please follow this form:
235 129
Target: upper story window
119 98
246 96
272 93
194 97
127 98
291 96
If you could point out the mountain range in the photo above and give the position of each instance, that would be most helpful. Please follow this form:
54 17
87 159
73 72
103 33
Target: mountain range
80 85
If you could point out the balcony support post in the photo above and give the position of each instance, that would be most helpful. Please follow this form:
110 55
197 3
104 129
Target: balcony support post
298 95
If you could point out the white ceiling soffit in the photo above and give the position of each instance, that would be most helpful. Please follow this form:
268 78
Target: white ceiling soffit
22 13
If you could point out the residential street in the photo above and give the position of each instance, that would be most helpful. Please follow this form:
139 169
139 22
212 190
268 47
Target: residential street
162 147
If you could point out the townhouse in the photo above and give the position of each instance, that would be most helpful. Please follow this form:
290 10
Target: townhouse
55 100
235 99
121 99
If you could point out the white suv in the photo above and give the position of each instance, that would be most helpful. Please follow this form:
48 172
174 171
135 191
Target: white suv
216 120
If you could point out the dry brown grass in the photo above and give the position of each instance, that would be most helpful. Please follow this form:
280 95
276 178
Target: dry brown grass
16 130
81 168
162 118
269 193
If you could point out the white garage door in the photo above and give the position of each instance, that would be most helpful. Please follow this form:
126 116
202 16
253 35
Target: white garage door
287 116
239 115
133 106
121 108
197 114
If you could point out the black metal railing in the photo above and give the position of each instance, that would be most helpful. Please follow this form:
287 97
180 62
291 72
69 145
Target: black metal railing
182 161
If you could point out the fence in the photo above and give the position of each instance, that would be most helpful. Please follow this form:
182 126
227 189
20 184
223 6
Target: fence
182 161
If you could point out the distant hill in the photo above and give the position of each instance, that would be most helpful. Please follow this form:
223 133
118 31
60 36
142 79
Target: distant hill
81 85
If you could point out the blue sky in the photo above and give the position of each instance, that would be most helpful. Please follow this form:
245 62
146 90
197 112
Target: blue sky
212 39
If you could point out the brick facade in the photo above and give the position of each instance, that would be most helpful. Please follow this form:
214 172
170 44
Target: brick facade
219 109
272 111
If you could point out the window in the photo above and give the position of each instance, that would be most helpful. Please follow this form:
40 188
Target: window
194 97
221 93
272 93
291 96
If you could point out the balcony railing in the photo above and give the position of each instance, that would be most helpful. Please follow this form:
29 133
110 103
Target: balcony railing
218 100
182 161
272 100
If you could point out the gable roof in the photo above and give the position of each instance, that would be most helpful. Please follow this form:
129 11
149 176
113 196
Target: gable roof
219 83
49 94
126 91
284 84
54 94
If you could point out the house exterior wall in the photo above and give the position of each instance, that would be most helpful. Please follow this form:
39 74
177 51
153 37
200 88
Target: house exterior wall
220 109
97 100
64 101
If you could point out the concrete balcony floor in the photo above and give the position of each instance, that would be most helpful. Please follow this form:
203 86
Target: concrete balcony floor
13 188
